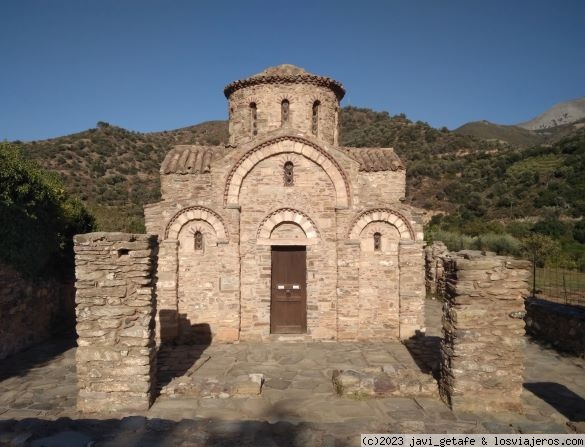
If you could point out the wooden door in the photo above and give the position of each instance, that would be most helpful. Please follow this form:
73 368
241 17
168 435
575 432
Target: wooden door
288 308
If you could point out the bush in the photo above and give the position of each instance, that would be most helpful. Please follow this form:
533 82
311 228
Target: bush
37 219
453 241
502 244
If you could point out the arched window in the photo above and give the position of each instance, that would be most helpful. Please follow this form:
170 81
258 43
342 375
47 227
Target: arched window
377 242
289 176
253 118
315 118
284 111
198 241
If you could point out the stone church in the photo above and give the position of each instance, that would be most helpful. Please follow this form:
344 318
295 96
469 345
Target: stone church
282 233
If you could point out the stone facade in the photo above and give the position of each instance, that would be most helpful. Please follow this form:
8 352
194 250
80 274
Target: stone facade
483 332
31 311
561 325
223 209
115 321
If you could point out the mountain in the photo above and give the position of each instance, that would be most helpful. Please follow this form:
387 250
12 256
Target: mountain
563 113
510 134
548 128
116 171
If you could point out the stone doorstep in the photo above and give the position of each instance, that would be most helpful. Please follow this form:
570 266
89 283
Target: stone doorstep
211 388
386 381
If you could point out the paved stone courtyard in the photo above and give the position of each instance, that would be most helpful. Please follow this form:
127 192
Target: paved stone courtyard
297 405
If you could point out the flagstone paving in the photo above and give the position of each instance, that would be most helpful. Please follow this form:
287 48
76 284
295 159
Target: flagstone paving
297 405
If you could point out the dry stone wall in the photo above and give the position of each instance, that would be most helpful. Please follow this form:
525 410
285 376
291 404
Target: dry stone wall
562 326
115 321
434 270
31 311
483 331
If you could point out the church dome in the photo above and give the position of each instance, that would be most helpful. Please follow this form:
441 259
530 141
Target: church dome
286 74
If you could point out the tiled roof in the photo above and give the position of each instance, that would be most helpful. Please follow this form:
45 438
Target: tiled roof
188 159
375 159
285 74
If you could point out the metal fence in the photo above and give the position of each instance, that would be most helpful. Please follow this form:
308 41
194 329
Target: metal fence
559 285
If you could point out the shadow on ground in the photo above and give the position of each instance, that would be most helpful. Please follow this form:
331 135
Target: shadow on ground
426 352
34 357
565 401
140 431
176 356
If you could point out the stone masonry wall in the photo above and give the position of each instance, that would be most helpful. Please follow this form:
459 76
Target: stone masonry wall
115 321
263 191
434 270
483 334
268 99
30 311
561 325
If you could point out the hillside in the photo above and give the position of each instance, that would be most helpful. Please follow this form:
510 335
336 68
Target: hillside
115 171
547 128
563 113
510 134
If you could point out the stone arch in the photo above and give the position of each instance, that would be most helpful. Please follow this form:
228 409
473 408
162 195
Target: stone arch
197 213
287 145
382 215
272 220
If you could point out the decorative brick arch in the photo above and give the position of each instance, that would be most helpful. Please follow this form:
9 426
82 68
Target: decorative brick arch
381 215
287 145
196 213
270 222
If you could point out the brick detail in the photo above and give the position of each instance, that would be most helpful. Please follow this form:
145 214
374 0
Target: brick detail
279 216
381 215
196 213
288 144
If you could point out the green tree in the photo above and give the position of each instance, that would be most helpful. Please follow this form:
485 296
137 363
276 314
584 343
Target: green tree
37 218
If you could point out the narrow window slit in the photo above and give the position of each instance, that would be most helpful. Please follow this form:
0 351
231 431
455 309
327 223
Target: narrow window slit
315 118
253 118
284 112
198 240
289 179
377 241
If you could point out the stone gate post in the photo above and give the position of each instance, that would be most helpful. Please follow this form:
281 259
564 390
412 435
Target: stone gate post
115 321
482 351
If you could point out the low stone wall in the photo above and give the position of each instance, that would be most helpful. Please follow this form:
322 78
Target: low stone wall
483 334
115 321
558 324
31 312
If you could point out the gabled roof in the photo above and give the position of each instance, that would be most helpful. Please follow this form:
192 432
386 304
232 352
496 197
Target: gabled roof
190 159
375 159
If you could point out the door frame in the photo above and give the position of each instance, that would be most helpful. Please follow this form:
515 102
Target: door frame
303 315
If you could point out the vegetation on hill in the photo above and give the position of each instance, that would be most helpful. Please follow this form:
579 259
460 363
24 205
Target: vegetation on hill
37 217
479 186
518 136
509 134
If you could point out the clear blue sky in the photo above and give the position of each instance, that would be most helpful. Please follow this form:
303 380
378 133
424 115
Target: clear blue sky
153 65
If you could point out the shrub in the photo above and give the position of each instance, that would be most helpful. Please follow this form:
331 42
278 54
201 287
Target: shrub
37 219
502 244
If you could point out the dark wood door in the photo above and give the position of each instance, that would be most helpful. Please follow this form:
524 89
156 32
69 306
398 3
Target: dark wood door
288 308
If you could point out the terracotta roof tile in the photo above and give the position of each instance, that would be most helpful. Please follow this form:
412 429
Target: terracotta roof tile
189 159
374 159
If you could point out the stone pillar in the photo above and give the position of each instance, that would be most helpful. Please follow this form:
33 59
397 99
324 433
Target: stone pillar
482 352
167 313
348 273
412 288
115 321
434 268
